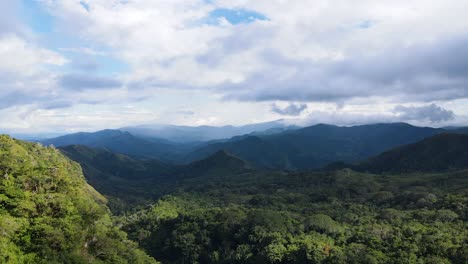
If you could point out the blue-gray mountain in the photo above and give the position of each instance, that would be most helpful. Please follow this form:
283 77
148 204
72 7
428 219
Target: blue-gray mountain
440 153
319 145
306 148
126 143
184 134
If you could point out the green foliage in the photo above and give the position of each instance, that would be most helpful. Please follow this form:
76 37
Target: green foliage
310 217
219 211
131 184
49 214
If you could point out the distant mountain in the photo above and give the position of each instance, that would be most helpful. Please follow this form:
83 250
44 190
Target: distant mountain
123 142
440 153
205 133
316 146
460 130
277 148
35 137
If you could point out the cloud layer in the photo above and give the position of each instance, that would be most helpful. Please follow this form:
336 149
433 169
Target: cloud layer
411 57
432 112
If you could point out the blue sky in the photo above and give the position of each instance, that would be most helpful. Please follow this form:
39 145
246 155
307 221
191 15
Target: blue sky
234 16
76 65
36 17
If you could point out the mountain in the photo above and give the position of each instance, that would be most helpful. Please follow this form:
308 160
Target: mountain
123 142
126 181
205 133
129 182
316 146
49 214
219 164
443 152
461 130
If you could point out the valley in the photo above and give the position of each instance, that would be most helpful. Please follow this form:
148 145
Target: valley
407 204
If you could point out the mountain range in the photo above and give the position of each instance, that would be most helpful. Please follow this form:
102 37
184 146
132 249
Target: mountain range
317 146
124 142
184 134
293 149
129 181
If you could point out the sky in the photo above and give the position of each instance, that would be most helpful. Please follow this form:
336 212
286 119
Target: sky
85 65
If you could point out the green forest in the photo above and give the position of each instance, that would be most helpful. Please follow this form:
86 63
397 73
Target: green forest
49 214
221 210
332 217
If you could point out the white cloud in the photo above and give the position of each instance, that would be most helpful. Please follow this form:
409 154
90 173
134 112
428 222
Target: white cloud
308 47
420 115
24 71
326 52
17 56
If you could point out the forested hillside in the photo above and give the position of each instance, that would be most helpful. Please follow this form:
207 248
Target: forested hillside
439 153
131 183
49 214
127 182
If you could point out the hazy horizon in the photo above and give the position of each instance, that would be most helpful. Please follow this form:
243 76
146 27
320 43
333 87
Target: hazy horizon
52 134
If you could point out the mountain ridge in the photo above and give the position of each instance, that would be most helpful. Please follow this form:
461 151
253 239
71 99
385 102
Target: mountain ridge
121 142
131 182
185 134
318 145
439 153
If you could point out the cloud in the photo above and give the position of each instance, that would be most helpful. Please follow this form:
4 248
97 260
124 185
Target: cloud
18 56
423 115
186 112
85 51
26 74
290 110
255 52
432 112
345 118
87 65
85 81
56 105
9 22
328 55
426 72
